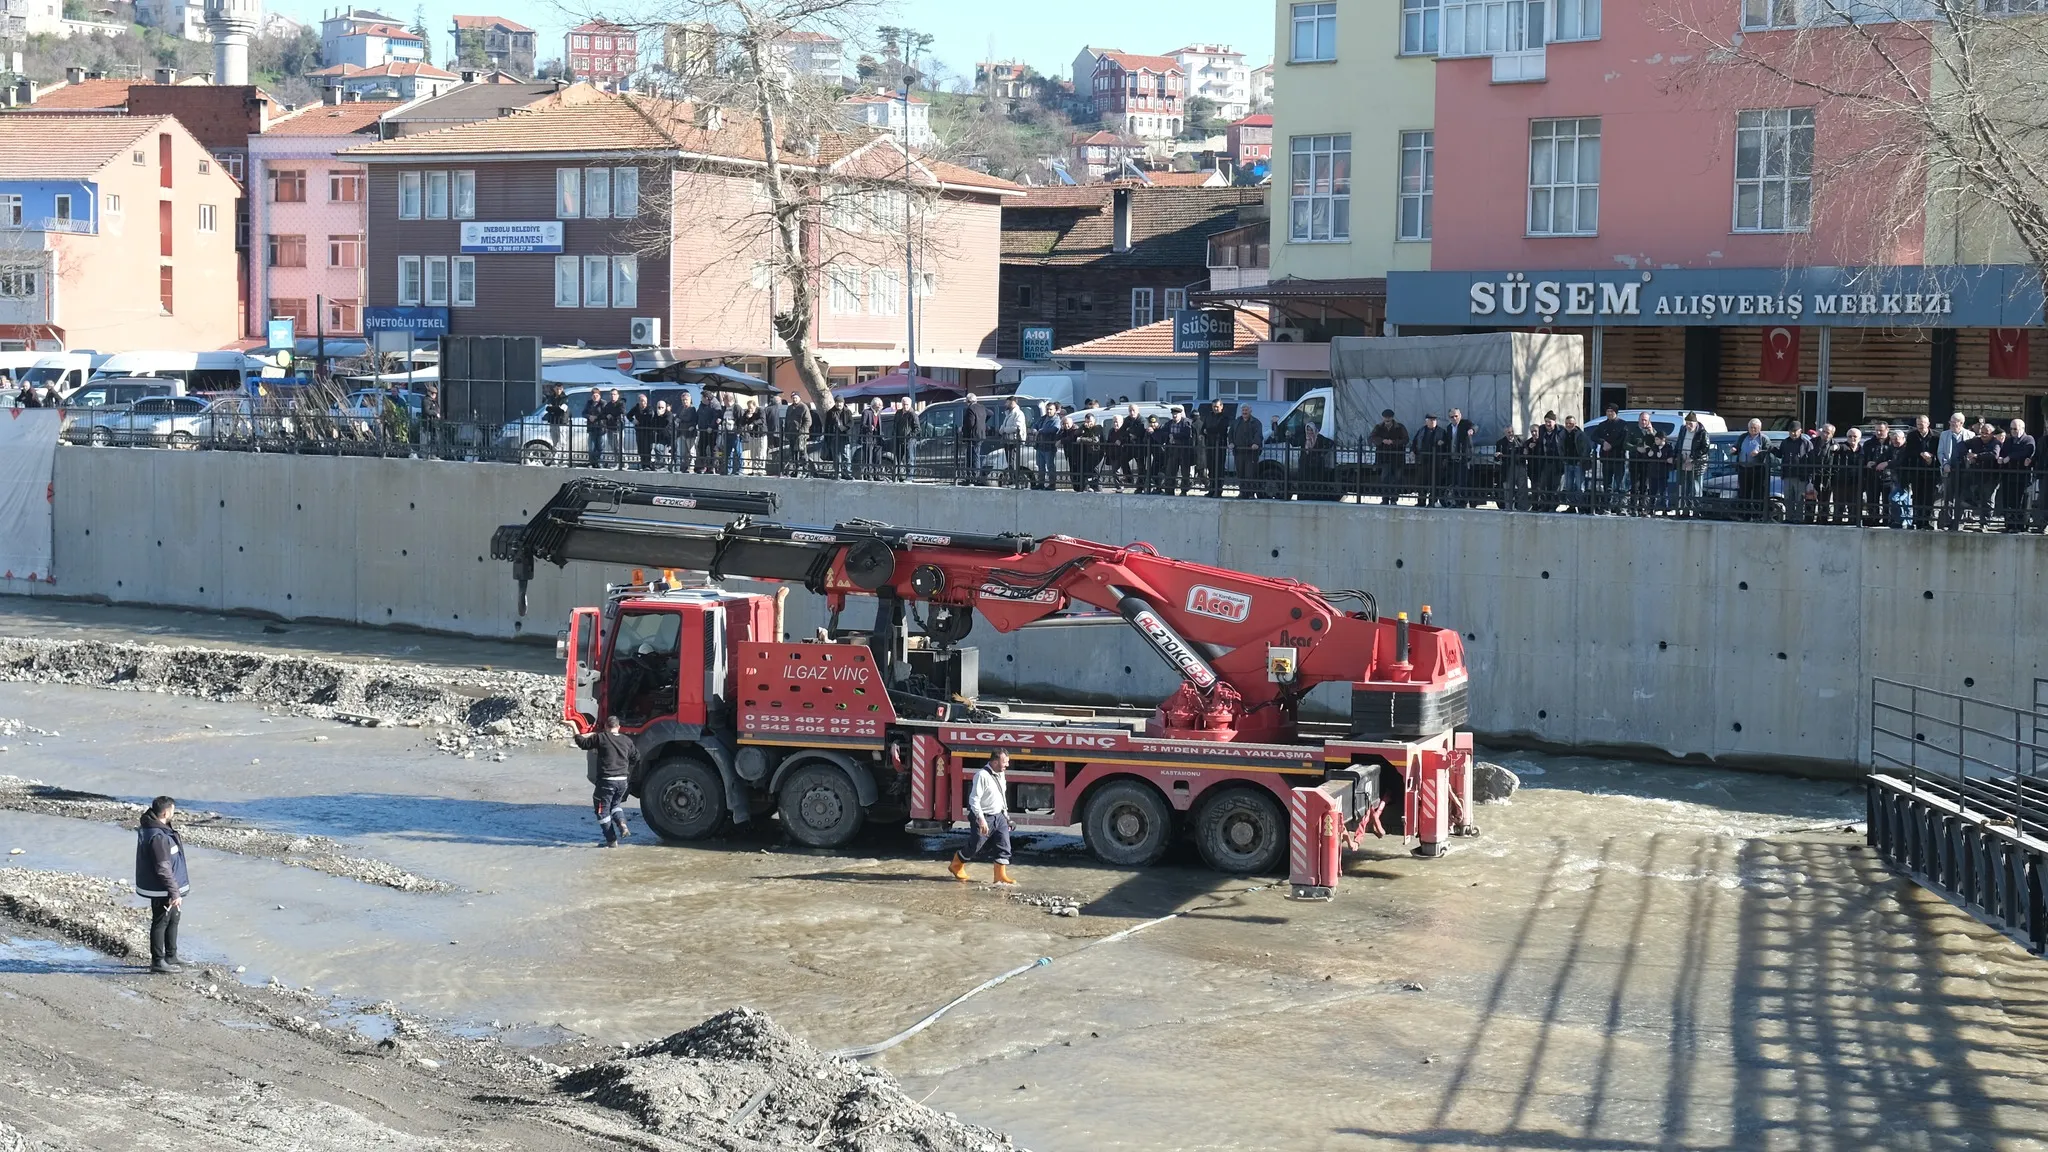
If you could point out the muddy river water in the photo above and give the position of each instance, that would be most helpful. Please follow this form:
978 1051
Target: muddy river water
1630 956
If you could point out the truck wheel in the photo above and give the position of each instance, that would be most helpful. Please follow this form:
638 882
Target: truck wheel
683 799
1127 824
820 807
1242 831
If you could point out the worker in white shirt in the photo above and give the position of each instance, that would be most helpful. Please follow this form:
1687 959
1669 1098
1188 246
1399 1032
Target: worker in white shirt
988 806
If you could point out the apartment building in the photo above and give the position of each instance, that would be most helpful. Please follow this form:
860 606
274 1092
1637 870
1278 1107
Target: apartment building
393 80
310 212
1730 238
879 110
1143 97
492 42
359 40
1217 73
116 233
813 54
586 210
602 53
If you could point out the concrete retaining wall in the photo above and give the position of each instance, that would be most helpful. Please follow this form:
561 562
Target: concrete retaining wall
1740 643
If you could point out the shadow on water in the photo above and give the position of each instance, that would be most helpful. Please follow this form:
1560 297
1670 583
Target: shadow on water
1780 995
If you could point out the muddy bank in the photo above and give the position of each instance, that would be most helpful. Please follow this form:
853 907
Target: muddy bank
475 709
204 829
739 1082
95 912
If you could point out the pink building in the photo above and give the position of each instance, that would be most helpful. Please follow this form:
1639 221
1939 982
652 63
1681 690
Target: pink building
308 216
602 52
1713 229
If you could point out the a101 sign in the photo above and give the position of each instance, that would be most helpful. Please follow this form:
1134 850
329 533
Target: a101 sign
1204 330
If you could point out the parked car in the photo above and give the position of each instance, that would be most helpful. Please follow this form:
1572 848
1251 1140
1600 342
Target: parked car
361 413
153 421
119 390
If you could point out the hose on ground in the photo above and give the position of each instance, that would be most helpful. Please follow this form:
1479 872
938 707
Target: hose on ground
1043 961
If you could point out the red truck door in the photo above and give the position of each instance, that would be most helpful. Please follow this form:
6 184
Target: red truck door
579 703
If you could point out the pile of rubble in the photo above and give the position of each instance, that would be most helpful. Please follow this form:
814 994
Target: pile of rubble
485 709
739 1082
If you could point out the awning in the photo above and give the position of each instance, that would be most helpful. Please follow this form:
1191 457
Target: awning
1299 289
963 360
891 357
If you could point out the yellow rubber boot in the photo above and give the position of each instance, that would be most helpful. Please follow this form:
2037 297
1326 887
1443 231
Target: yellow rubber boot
1003 874
958 868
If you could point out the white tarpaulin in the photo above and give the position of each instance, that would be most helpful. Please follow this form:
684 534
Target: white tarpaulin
1497 379
28 459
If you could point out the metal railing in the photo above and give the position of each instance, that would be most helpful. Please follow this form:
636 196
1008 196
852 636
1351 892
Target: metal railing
1958 799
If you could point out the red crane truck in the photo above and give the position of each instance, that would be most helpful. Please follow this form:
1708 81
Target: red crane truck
734 719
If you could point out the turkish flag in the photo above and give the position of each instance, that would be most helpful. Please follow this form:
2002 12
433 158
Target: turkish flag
1781 357
2008 353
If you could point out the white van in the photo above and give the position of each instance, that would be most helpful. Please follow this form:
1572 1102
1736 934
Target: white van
67 370
195 371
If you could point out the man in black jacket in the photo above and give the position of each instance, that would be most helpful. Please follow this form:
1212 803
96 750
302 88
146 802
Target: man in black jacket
1215 429
1464 443
796 439
1799 457
839 428
1575 452
1180 452
967 448
2016 461
1390 452
903 425
1433 457
611 767
709 414
593 427
1921 470
1247 437
644 427
160 875
1611 438
1544 451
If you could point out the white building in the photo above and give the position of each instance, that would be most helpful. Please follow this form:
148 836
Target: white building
885 112
1262 88
20 19
1217 72
812 54
185 19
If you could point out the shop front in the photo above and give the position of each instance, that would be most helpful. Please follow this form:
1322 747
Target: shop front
1776 344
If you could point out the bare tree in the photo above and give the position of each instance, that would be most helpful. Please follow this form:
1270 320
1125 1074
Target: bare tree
825 194
1950 100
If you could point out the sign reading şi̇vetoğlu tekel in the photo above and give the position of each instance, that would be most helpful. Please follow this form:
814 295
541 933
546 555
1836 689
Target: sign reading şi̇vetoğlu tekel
1947 296
512 236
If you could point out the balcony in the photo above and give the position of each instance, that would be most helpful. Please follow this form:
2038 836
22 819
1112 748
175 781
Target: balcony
60 224
1523 67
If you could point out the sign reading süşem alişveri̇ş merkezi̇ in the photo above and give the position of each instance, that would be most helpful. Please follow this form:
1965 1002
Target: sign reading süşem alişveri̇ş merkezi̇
1933 296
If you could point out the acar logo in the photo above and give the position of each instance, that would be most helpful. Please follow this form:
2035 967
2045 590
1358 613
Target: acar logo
1219 604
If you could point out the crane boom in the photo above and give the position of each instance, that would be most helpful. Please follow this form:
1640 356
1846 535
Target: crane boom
1247 647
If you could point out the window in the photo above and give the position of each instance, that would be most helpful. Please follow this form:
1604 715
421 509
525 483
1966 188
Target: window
1762 14
567 292
596 282
294 309
17 282
1319 205
230 163
465 195
345 251
597 193
1485 27
601 43
436 293
1577 20
1418 185
1176 299
408 195
409 279
163 175
626 193
165 295
580 65
579 41
1229 390
1026 296
927 283
343 316
1141 307
625 281
1564 177
845 292
885 292
1315 32
113 205
287 251
205 168
288 185
436 185
166 214
60 206
1774 170
568 193
139 158
209 218
344 187
10 209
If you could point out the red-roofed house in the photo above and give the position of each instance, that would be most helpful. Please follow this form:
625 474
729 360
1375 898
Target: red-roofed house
1141 363
367 44
1250 140
116 233
602 52
1101 155
486 42
309 213
1140 96
409 80
586 210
